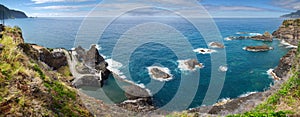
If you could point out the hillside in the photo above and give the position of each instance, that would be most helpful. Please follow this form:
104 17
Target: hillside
11 14
28 87
292 15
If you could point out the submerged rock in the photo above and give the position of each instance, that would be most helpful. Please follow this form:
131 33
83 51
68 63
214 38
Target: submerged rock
258 48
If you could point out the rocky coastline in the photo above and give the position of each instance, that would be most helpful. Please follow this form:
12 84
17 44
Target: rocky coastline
289 31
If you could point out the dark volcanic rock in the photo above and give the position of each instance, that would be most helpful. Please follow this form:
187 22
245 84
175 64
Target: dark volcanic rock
265 37
258 48
289 31
285 64
53 59
92 61
139 100
157 73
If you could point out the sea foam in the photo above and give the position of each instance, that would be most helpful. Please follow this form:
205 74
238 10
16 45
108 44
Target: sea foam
184 67
204 50
114 67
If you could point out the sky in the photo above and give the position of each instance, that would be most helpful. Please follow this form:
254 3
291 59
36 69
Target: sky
216 8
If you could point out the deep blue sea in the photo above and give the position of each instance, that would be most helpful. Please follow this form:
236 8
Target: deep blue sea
247 71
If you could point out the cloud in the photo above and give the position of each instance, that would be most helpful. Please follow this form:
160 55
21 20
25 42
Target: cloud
232 8
287 4
63 7
50 1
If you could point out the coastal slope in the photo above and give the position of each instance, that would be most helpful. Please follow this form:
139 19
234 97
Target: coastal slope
29 87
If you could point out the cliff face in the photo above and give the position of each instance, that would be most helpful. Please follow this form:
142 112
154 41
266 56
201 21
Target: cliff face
11 14
289 31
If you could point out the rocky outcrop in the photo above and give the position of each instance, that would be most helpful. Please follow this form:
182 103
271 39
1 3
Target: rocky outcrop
285 64
53 59
91 60
265 37
11 14
192 64
91 81
157 73
289 31
262 48
139 100
216 45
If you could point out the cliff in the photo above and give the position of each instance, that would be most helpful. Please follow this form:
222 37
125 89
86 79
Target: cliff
10 14
28 87
289 31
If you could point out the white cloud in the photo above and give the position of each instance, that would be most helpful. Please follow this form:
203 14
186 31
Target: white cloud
288 4
63 7
232 8
49 1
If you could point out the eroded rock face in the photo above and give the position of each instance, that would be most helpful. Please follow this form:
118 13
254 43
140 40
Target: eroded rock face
157 73
53 59
289 31
92 60
285 64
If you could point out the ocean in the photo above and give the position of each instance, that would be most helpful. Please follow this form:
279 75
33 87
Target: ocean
247 71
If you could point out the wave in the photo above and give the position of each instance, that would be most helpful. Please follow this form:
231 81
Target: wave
255 34
272 74
184 67
164 69
228 38
223 68
222 101
114 67
204 50
288 45
247 94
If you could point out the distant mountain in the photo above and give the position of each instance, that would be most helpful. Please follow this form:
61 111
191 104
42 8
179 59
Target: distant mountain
11 14
292 15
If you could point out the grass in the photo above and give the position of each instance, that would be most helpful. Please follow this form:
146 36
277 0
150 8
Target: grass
19 73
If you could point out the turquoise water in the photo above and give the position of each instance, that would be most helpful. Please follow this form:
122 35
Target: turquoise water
246 70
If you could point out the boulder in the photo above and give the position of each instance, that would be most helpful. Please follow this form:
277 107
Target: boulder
54 60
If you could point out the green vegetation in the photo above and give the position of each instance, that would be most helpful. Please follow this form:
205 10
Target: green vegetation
285 101
28 89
